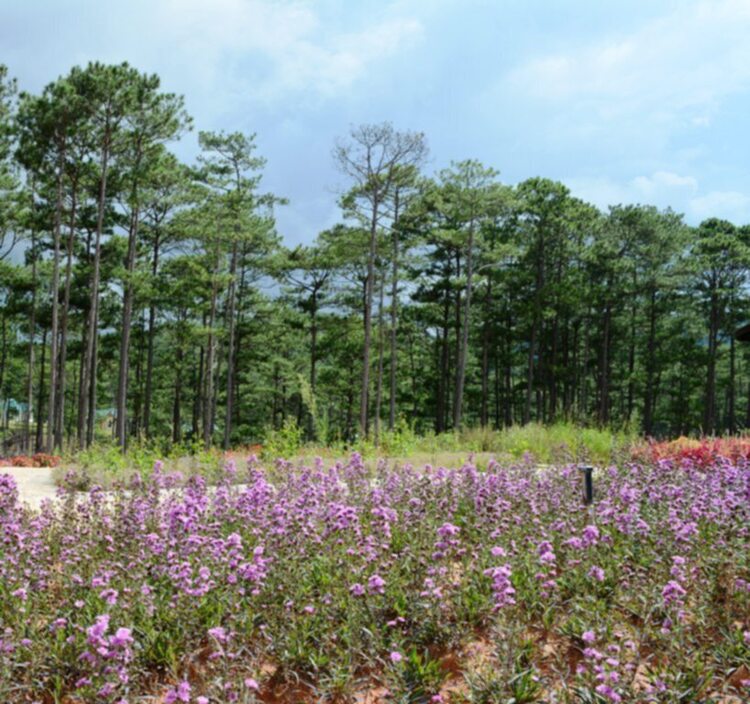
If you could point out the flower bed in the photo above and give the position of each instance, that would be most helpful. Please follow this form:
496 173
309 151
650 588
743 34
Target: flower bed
703 452
394 584
40 459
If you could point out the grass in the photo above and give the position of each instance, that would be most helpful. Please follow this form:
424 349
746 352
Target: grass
543 444
104 465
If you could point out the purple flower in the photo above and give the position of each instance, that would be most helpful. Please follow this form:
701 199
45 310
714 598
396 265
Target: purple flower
181 693
672 592
502 587
448 530
218 633
101 624
376 584
19 594
123 636
590 535
607 691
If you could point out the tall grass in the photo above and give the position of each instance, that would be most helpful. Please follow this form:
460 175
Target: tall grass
545 444
104 464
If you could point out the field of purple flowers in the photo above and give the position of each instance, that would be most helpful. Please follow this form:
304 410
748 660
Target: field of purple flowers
382 584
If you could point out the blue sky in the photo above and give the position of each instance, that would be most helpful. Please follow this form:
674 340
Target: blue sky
638 101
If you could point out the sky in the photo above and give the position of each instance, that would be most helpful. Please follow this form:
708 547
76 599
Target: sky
645 101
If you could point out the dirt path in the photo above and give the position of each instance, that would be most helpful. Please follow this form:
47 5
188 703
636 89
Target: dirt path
34 483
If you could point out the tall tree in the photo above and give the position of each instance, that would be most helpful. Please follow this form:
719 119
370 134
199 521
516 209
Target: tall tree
468 196
150 119
166 192
373 157
721 258
231 171
108 93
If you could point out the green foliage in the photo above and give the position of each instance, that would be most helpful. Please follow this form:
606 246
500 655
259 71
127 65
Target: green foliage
417 677
104 464
284 442
516 319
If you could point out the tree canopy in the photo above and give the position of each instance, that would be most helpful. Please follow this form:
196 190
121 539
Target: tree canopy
147 299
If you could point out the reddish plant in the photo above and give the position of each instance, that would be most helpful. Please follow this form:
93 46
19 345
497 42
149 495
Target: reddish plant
701 452
21 461
42 459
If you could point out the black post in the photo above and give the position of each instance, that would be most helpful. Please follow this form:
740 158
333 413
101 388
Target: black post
588 484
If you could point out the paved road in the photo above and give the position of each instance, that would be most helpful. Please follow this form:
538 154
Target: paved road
34 483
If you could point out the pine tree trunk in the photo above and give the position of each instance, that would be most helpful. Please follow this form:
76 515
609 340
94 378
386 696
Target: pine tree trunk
83 370
442 404
93 381
52 402
648 405
731 402
604 367
484 413
89 397
631 365
509 416
177 399
552 375
148 394
536 322
136 429
198 390
231 353
364 406
32 337
394 319
3 353
583 394
208 397
379 381
121 430
40 397
60 411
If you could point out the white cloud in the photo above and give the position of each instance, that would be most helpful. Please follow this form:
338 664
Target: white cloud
731 205
278 47
660 181
601 192
663 188
674 68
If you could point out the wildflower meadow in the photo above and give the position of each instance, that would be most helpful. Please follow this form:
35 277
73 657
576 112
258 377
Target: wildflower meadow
358 582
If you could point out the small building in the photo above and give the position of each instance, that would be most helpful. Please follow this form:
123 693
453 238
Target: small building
13 412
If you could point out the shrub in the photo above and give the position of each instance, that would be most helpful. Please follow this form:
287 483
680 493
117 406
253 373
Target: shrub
41 459
695 452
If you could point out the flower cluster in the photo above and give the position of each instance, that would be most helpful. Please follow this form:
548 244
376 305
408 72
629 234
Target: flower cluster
260 587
